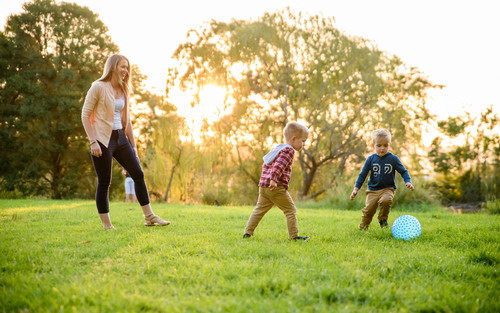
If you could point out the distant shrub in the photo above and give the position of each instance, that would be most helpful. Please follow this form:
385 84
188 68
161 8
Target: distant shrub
338 198
423 198
11 194
493 206
214 196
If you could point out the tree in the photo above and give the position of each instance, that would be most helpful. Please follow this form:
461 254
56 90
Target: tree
288 66
469 168
168 155
50 55
145 108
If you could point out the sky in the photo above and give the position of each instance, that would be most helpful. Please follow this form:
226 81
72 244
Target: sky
454 43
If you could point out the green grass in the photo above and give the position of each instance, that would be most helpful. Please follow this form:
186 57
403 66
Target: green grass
56 258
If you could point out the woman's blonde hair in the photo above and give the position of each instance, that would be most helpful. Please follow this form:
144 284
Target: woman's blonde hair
110 71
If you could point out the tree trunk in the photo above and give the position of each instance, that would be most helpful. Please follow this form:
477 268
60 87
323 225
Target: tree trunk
244 170
307 179
177 162
56 177
169 183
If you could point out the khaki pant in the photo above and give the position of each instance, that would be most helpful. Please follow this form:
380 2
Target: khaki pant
373 199
267 198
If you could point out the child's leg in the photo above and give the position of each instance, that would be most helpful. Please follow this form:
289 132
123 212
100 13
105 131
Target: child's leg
129 189
133 198
282 199
371 204
264 204
385 203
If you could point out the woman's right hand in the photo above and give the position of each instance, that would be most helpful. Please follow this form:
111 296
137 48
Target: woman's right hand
95 149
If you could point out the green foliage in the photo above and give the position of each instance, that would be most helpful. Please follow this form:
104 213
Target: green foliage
424 198
50 54
201 264
287 66
421 199
454 126
338 197
146 106
493 206
171 163
11 194
469 171
212 195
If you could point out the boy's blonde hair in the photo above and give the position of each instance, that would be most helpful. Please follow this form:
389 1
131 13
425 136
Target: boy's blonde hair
381 133
294 129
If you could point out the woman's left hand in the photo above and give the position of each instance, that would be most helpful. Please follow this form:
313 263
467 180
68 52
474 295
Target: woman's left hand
136 153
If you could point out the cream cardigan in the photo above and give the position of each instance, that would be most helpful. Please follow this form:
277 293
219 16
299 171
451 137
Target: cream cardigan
99 107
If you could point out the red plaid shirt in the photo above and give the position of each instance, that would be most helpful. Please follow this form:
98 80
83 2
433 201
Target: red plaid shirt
280 170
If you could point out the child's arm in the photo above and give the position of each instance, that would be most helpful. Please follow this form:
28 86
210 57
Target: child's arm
404 173
272 184
410 186
361 178
354 193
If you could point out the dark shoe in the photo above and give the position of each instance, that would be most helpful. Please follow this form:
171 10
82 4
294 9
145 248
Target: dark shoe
383 223
245 235
301 238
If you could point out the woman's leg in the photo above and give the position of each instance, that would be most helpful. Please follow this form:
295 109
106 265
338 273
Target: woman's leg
125 155
102 167
106 221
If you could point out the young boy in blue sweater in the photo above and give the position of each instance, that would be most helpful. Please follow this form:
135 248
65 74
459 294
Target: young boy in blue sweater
382 166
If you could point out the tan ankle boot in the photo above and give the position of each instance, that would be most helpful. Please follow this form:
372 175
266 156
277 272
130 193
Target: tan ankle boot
153 220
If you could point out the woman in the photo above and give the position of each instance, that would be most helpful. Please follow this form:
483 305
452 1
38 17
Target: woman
106 119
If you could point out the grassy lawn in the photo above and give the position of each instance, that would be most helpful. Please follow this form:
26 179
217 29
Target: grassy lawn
56 258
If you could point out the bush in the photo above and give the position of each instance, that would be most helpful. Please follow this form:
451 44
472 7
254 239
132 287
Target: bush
213 196
338 198
423 198
493 206
14 194
420 199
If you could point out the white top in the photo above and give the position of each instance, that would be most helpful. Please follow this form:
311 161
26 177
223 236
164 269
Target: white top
119 104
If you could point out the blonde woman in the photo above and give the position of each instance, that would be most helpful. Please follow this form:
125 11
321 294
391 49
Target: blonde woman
106 119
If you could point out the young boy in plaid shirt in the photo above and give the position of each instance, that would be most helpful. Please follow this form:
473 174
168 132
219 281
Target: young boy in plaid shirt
273 185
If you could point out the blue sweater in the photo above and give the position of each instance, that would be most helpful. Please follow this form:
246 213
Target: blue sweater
382 172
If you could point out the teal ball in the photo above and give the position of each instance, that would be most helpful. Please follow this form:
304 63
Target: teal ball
406 227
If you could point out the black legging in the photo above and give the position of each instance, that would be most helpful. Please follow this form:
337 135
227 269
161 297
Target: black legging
119 147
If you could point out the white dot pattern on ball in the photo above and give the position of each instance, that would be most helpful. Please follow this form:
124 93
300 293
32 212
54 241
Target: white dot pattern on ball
406 227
